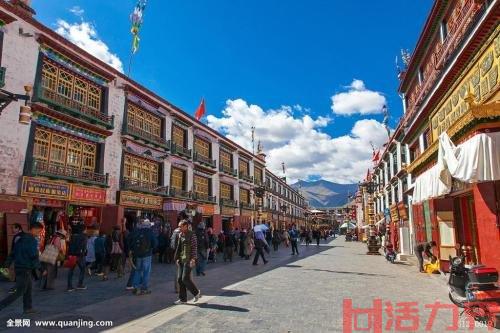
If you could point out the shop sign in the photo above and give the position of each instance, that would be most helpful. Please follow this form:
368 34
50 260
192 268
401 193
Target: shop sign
206 209
246 212
138 200
228 211
38 188
403 211
394 213
263 215
48 202
88 194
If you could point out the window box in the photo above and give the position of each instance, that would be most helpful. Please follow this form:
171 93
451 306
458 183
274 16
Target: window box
249 206
246 177
204 160
147 137
229 203
145 187
54 170
204 197
180 151
177 193
228 170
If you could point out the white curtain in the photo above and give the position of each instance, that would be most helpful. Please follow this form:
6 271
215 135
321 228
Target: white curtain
429 185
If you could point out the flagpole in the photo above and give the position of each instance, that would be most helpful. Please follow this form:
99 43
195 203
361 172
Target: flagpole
130 64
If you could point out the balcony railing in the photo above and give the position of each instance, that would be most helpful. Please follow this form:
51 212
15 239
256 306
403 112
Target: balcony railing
228 202
146 136
141 186
179 150
246 177
2 76
245 205
228 170
204 197
204 160
74 108
182 194
258 182
53 170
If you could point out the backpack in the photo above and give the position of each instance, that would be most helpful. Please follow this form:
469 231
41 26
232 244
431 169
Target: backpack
141 244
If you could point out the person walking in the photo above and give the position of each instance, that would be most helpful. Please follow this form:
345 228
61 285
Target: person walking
260 242
286 237
117 251
142 246
202 246
426 248
50 268
317 236
294 236
228 246
163 244
77 249
276 239
241 241
25 256
100 253
174 241
90 262
185 258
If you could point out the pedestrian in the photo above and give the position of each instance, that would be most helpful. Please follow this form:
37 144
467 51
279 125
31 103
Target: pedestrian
249 244
294 235
128 259
185 258
117 251
90 256
100 253
286 237
228 246
163 244
260 243
317 236
17 231
141 248
236 237
269 237
202 248
308 237
420 249
276 239
25 256
50 268
212 246
77 250
241 241
106 264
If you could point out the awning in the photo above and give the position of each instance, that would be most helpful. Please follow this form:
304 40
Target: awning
351 226
429 185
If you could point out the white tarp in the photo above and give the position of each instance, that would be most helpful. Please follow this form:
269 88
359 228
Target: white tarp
475 160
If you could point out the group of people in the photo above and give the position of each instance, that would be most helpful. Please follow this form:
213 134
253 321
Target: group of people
98 254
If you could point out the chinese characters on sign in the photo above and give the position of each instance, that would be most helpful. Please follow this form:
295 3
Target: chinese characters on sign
45 189
132 199
81 193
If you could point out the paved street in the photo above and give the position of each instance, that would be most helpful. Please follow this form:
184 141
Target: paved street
290 294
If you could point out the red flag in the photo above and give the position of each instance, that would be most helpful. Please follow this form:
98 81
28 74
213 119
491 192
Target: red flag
368 175
376 156
201 110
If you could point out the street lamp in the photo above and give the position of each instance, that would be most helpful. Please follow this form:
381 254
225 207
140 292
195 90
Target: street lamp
283 210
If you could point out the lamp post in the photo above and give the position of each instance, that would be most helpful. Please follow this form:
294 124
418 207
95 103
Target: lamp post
283 209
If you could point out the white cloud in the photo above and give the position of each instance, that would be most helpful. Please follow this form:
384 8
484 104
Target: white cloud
358 99
84 35
300 142
77 10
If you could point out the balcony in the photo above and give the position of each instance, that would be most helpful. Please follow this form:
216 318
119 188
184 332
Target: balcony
229 203
146 136
204 160
145 187
203 197
258 182
2 76
181 194
73 107
228 170
179 150
246 177
52 170
245 205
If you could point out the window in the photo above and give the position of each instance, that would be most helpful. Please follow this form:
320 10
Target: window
179 136
226 159
258 174
426 137
177 177
202 147
414 152
201 185
443 31
141 170
226 191
65 151
243 167
244 196
142 120
65 84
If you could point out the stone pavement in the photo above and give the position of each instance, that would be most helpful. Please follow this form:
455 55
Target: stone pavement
301 293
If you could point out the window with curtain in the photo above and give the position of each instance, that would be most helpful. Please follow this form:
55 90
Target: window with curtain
202 147
226 191
178 135
140 170
142 120
243 167
177 179
257 174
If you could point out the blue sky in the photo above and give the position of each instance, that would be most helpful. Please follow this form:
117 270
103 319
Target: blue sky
267 54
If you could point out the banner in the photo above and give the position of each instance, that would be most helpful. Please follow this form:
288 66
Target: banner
88 194
38 188
138 200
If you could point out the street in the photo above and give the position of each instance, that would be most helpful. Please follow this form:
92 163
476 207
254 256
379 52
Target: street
289 294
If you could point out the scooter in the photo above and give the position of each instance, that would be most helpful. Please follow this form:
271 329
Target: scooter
390 254
476 290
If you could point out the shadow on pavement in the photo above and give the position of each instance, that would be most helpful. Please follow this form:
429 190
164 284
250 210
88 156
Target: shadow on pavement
234 293
342 272
223 307
293 266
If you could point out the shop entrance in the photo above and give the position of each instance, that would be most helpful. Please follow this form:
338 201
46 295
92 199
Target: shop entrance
226 224
466 228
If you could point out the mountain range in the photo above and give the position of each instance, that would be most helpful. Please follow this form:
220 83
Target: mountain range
325 194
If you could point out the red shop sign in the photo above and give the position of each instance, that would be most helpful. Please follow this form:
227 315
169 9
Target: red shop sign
88 194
